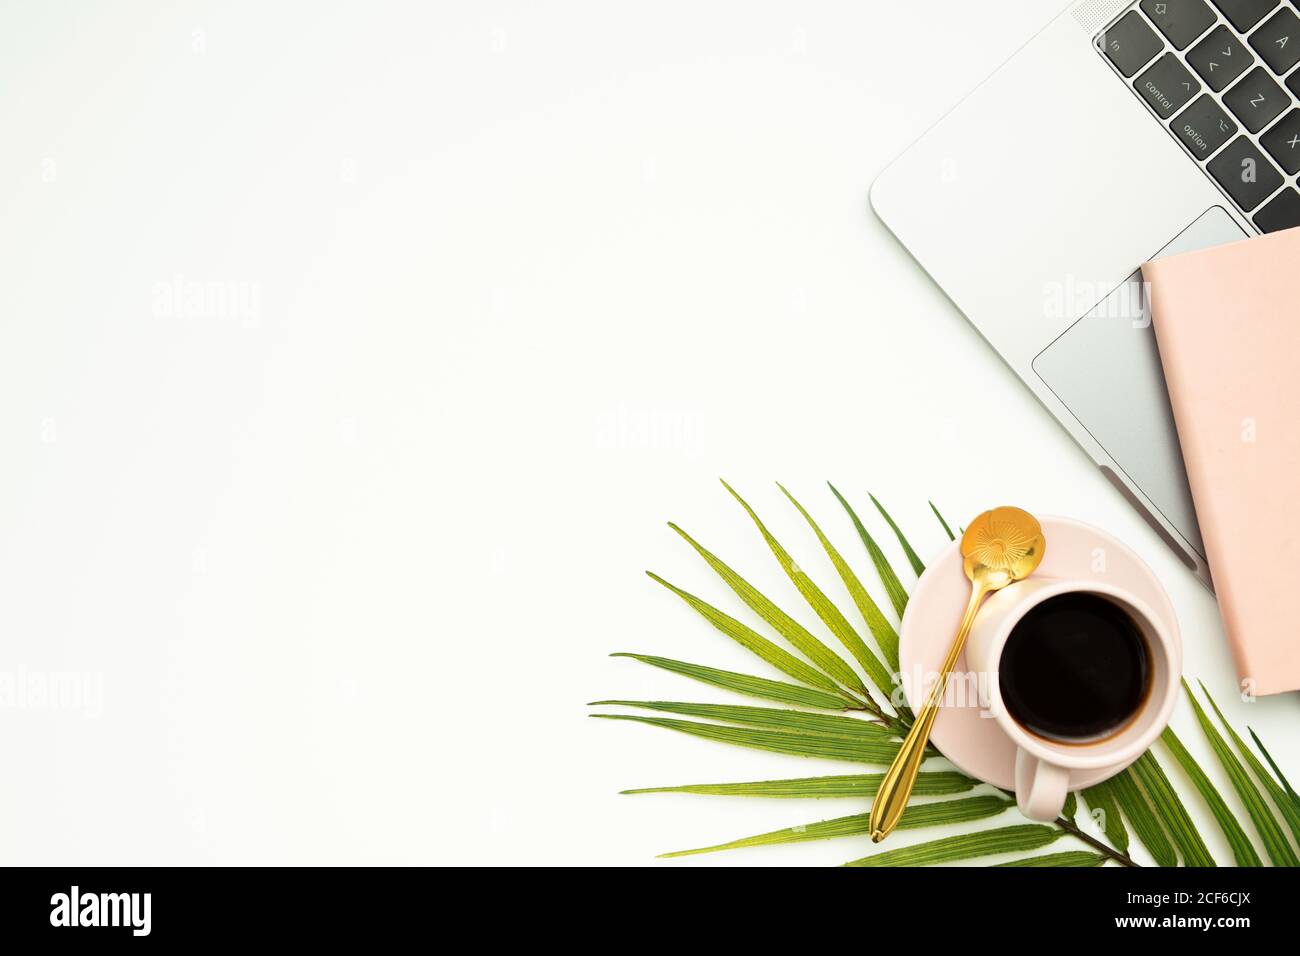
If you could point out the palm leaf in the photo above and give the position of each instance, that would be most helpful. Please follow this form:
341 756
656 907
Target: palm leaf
932 784
1295 798
1150 778
884 633
777 741
1280 797
1068 858
825 609
803 640
1025 836
1275 843
1143 794
893 587
912 559
795 721
1243 852
1139 813
751 640
914 817
1101 797
744 683
948 532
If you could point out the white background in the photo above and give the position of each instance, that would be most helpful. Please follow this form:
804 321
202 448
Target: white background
519 282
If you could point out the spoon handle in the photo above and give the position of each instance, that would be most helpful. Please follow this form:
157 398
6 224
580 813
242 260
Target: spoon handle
896 787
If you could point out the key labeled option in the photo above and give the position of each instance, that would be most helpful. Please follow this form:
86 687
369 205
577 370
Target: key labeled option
1204 127
1167 85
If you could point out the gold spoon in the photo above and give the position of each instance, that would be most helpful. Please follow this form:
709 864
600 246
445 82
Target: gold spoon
999 547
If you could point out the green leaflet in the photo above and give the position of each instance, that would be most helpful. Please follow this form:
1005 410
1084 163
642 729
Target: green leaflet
966 846
778 741
1068 858
884 633
794 632
951 537
914 817
893 587
1290 813
745 684
932 784
795 721
1295 797
751 640
1243 852
912 559
825 609
1071 806
1139 813
1275 842
1151 780
1101 797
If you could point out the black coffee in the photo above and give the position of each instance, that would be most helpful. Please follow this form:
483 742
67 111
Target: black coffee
1076 667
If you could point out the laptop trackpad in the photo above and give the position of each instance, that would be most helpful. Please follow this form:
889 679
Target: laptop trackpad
1106 369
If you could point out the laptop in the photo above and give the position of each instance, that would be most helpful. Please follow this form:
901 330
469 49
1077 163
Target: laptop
1121 133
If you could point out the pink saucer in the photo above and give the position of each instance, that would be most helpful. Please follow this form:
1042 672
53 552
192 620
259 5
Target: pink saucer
975 744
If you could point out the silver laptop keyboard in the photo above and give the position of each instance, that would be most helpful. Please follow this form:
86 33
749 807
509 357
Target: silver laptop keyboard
1222 76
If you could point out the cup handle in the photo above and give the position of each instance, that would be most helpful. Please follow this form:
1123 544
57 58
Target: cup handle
1041 787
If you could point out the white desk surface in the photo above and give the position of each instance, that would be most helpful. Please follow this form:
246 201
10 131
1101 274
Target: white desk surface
353 357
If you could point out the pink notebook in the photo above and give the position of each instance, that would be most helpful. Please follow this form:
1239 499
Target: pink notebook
1227 320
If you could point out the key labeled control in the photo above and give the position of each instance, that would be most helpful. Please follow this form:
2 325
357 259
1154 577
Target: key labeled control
1167 85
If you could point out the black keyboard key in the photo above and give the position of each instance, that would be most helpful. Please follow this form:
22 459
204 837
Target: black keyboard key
1293 84
1282 212
1130 43
1244 14
1256 100
1278 41
1220 58
1204 127
1283 142
1182 21
1167 85
1244 173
